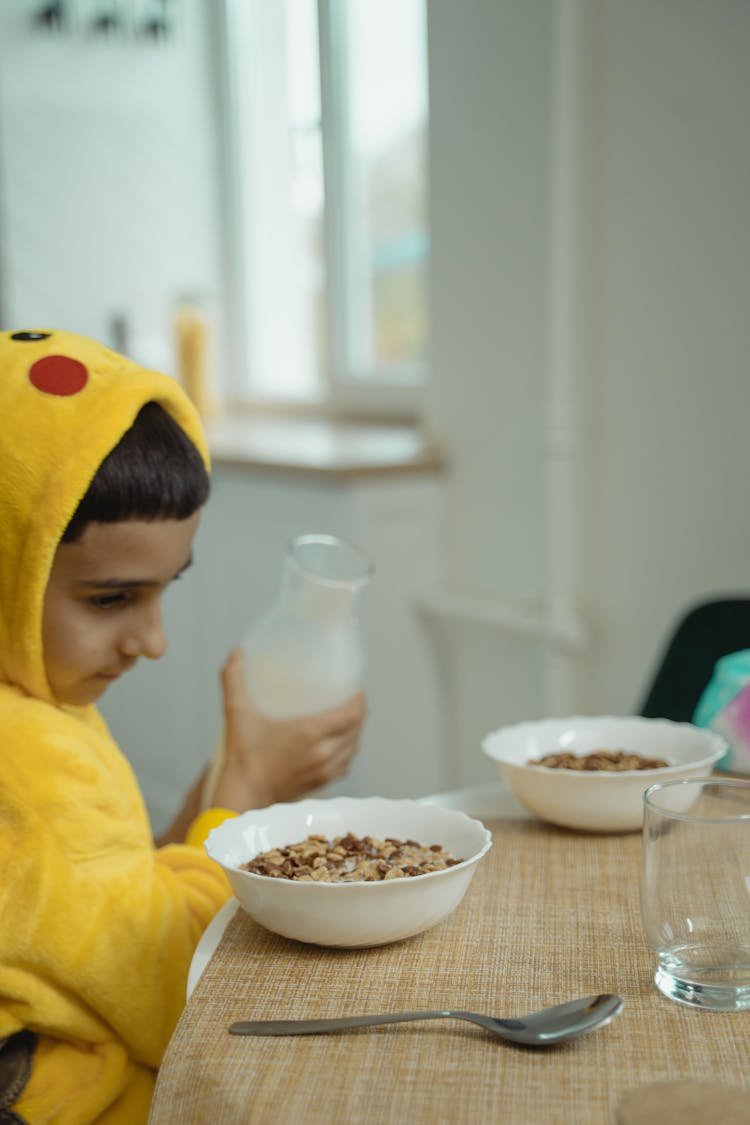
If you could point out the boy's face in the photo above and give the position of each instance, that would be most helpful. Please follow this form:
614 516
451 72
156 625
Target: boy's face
102 606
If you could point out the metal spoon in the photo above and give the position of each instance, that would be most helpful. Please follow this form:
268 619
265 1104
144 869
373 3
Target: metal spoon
537 1029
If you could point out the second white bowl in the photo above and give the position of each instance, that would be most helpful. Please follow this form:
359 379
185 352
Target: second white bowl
597 801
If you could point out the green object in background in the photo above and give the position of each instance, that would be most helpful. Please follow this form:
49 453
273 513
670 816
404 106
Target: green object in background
724 706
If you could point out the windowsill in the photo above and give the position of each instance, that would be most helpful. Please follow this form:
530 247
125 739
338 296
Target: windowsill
333 448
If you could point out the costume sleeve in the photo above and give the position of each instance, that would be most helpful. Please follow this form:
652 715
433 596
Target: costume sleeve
100 942
97 927
198 831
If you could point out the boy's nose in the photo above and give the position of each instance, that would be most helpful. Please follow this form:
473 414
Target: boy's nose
146 638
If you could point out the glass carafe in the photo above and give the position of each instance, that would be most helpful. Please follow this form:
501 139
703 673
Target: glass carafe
305 654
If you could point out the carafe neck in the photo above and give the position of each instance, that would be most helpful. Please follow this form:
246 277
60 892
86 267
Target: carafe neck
322 578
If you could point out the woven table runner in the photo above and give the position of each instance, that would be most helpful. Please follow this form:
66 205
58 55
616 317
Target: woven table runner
550 915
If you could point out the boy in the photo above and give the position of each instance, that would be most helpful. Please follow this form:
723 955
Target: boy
104 473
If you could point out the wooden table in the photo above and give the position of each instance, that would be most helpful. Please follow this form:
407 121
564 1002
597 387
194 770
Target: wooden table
550 915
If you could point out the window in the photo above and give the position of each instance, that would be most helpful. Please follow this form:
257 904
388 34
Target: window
327 147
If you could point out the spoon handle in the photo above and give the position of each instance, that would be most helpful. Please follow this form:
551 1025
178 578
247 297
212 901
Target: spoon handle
317 1027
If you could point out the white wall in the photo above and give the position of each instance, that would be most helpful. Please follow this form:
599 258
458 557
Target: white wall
611 260
490 138
669 325
660 273
109 197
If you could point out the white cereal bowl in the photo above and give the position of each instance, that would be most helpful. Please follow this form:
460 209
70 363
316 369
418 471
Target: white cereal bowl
349 915
598 801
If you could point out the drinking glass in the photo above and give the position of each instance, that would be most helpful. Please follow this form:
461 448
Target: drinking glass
695 890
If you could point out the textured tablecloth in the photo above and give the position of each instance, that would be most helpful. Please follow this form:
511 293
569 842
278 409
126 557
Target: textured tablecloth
550 915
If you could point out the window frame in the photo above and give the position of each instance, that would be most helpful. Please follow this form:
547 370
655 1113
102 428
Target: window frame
394 393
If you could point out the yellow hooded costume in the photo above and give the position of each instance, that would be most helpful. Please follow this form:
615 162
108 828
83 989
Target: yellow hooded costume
97 927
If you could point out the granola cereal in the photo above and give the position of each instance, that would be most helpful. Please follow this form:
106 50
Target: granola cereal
613 760
350 859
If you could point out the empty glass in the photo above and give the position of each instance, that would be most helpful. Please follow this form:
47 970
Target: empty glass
695 890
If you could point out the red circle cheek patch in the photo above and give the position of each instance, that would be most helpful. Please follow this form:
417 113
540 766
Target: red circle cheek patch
58 375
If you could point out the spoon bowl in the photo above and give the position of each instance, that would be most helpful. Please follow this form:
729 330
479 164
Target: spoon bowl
537 1029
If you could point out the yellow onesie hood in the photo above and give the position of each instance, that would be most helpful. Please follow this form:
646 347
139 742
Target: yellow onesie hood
97 927
59 420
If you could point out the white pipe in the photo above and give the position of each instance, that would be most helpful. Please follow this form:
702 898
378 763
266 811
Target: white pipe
507 615
564 533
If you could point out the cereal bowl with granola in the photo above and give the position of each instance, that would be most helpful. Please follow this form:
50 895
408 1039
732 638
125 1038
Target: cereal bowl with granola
349 872
589 773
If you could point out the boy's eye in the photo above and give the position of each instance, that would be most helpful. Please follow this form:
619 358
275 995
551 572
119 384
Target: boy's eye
108 601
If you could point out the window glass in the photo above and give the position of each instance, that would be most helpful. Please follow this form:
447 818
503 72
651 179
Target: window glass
328 177
386 161
277 196
306 187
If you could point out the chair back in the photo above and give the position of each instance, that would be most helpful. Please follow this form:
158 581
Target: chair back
707 632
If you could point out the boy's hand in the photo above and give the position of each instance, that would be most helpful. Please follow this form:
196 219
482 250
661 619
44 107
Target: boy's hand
269 760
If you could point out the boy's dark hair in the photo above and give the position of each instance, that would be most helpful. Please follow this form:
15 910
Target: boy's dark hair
154 472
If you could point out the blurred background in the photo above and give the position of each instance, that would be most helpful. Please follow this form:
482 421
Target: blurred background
466 283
